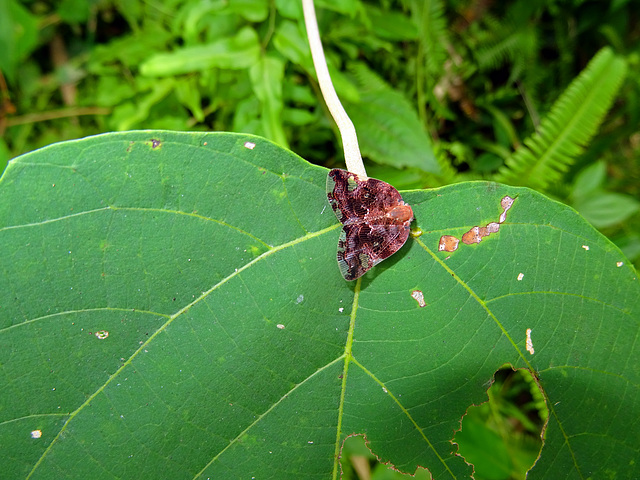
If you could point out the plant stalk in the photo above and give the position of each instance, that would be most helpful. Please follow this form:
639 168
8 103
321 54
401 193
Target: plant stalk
352 156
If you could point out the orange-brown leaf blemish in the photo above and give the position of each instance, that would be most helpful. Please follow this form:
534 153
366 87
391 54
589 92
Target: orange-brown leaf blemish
475 234
472 236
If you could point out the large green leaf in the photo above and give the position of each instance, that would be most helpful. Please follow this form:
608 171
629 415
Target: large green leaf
172 308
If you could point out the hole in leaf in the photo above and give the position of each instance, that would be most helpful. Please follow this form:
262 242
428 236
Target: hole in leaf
501 437
358 463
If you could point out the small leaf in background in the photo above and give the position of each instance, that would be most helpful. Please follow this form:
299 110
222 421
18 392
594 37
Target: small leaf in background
589 180
18 35
128 114
188 94
293 45
348 7
74 11
291 42
392 25
252 10
240 51
604 209
289 9
205 22
389 131
266 78
247 116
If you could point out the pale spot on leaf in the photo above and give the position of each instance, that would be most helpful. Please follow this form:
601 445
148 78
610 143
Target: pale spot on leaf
505 203
419 297
101 334
529 343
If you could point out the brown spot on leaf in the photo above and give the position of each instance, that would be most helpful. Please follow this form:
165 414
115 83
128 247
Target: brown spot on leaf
472 236
476 234
155 143
448 243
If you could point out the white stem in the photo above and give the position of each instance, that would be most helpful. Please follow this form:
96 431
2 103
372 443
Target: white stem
352 155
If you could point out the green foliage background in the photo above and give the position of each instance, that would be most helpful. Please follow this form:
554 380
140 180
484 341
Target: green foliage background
440 91
466 81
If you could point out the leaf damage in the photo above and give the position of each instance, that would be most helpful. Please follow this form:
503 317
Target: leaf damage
419 297
449 243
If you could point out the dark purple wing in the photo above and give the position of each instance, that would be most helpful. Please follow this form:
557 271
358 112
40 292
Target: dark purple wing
368 235
353 199
361 246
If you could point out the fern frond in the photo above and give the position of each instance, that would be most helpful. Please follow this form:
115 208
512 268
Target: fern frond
367 79
389 130
569 126
428 15
513 40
